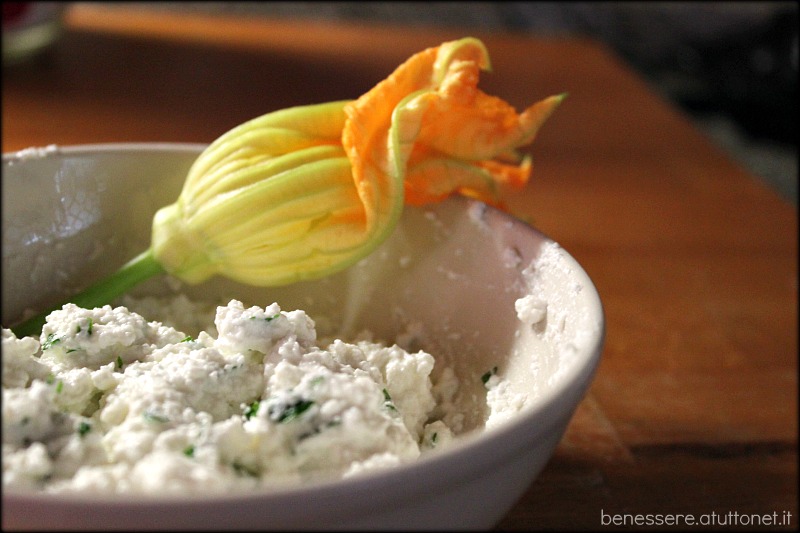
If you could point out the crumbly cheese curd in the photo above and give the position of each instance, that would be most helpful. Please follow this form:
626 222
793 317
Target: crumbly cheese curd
106 401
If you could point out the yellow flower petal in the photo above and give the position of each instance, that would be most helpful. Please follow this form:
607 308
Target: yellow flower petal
262 138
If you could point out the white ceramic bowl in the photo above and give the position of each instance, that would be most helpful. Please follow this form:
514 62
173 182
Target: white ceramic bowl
72 214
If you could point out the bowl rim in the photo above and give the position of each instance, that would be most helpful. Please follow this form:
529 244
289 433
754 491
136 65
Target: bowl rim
536 419
41 152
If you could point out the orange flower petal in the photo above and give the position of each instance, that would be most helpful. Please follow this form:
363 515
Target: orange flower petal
428 122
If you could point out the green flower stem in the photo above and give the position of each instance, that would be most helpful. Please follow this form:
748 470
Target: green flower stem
135 271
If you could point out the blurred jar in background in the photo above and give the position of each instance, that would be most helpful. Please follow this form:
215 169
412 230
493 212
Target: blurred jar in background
30 28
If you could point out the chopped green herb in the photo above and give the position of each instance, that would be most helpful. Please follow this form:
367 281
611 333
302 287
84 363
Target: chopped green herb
316 381
50 341
59 386
154 417
88 328
119 362
189 451
251 410
84 428
488 375
242 470
387 401
317 429
50 379
266 319
187 338
285 413
434 437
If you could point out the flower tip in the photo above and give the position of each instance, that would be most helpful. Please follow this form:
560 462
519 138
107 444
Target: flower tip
467 48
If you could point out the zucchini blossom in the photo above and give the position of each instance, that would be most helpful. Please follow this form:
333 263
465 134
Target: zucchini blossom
303 192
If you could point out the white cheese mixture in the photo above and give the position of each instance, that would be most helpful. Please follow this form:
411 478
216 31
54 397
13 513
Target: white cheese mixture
106 401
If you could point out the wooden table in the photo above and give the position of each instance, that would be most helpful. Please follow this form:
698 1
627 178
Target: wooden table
694 406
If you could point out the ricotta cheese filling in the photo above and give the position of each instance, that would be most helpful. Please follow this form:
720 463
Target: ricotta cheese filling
106 401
